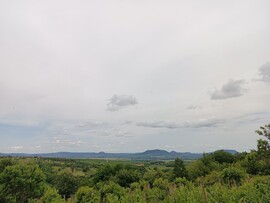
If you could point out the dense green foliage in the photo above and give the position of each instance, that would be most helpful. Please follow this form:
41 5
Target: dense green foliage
21 182
216 177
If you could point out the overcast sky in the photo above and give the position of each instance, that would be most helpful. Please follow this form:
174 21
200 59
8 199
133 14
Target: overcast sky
127 76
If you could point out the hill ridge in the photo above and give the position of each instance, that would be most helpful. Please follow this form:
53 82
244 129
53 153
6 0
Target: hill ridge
154 154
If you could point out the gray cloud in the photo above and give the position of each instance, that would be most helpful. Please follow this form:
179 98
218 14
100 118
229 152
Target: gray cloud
173 125
114 132
117 102
204 123
193 107
233 88
264 71
127 122
122 134
92 124
159 124
254 117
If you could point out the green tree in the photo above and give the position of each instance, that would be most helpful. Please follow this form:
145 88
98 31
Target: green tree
252 165
202 166
160 189
66 183
86 194
21 182
264 131
126 177
104 173
51 196
263 145
179 169
151 175
111 188
221 157
4 162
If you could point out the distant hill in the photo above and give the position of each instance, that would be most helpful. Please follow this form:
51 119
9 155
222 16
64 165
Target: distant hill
231 151
155 154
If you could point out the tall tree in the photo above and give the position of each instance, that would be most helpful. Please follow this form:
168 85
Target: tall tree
265 131
264 145
179 169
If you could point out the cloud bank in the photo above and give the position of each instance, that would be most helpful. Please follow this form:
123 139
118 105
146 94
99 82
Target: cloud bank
173 125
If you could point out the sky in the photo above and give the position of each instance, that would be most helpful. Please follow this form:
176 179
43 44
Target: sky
128 76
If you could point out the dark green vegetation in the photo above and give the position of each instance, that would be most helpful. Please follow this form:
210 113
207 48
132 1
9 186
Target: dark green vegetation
215 177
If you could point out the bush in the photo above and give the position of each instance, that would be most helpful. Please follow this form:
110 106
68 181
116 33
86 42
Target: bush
232 175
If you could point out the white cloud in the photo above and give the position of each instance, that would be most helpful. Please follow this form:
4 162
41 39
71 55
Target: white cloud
25 148
57 142
233 88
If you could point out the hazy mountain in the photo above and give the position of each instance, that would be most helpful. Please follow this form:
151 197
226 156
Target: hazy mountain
155 154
